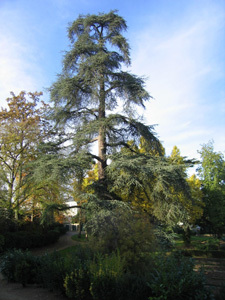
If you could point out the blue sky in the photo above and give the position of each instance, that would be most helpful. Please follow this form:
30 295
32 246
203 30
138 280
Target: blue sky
178 45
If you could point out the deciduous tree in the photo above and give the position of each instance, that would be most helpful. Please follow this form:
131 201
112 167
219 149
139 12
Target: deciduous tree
21 129
212 175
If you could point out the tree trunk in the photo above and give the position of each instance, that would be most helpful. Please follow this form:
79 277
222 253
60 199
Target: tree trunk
17 214
80 223
102 135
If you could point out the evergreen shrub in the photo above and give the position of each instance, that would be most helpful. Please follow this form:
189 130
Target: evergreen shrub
52 271
77 284
211 244
27 240
174 278
81 277
133 287
19 266
2 243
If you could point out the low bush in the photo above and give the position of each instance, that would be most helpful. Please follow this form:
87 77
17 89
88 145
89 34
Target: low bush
79 252
208 245
52 271
203 253
104 277
63 270
51 237
133 287
19 266
174 278
81 277
106 272
104 286
79 238
27 240
127 231
59 227
2 243
77 283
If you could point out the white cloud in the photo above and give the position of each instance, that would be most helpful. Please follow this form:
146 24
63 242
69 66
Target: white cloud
180 58
19 55
180 63
16 72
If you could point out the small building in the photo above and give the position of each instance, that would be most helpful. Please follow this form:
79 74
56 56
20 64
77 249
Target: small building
69 214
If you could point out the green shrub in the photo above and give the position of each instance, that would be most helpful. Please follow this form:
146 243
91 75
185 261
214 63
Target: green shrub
51 236
127 231
78 254
2 243
52 271
7 222
104 286
174 278
59 227
79 238
208 245
106 273
220 295
19 266
27 240
77 284
110 280
112 264
133 287
203 253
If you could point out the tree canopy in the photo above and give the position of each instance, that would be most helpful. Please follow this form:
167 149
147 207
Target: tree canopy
21 129
92 85
212 175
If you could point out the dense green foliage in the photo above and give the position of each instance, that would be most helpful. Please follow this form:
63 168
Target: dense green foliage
27 236
27 240
19 266
212 174
81 275
22 127
174 278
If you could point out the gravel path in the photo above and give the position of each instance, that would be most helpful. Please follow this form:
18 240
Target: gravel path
15 291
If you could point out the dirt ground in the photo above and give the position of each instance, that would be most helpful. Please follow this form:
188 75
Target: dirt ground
15 291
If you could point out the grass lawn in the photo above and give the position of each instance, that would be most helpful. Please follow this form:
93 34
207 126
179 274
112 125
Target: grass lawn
198 242
76 238
68 251
73 249
202 246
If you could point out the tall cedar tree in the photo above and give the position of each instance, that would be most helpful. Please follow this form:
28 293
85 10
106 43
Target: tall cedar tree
91 85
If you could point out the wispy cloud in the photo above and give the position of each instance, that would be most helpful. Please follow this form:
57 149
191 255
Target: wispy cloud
19 55
182 53
181 64
16 71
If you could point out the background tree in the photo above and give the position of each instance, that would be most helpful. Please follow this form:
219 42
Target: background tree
153 183
192 204
196 206
53 173
212 175
21 129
